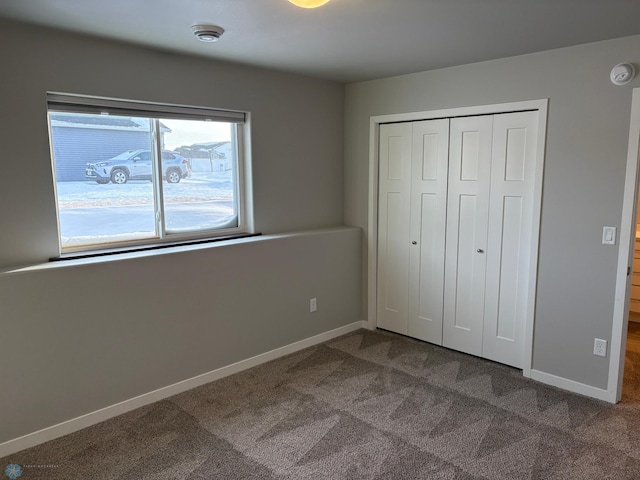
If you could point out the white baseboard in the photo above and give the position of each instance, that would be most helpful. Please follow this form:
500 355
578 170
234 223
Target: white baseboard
32 439
572 386
368 324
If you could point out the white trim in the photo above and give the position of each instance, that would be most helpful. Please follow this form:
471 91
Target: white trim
372 230
32 439
625 254
462 111
535 239
367 326
572 386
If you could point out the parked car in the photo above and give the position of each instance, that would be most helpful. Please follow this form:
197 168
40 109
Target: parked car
136 165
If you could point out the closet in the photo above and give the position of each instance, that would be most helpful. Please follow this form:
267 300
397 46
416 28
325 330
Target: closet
455 215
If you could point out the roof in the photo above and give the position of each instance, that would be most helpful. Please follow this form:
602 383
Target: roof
101 122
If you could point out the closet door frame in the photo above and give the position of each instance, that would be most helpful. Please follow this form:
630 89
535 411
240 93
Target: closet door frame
372 229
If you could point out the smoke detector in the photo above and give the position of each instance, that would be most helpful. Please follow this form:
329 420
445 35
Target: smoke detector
622 73
207 33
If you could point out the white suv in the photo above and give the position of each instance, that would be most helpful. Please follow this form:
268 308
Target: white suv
136 165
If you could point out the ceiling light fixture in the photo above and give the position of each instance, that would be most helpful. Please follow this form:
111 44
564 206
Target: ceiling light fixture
207 33
309 3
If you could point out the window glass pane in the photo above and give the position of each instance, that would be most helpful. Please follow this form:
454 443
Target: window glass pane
200 182
103 173
106 168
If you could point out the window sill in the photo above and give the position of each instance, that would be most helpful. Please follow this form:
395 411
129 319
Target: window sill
170 249
152 247
104 256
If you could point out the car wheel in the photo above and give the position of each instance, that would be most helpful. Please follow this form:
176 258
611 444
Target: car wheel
119 176
173 176
102 181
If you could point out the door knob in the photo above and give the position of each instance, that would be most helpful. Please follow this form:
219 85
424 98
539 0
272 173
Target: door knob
414 243
480 250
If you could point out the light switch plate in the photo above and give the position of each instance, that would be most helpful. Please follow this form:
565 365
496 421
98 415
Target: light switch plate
608 235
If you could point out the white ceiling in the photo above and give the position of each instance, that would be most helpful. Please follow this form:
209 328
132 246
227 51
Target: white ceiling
346 40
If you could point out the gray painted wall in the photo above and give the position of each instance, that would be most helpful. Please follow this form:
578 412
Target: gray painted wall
587 136
86 336
297 128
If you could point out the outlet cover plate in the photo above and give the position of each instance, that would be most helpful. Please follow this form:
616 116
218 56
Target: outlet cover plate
600 347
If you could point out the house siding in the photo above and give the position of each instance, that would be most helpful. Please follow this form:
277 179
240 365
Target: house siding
74 147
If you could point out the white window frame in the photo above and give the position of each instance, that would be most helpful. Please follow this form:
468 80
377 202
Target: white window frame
70 103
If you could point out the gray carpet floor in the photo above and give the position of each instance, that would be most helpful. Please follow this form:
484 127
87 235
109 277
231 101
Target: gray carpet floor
369 405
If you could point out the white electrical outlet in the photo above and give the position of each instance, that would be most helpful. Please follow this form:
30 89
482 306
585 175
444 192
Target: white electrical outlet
313 305
600 347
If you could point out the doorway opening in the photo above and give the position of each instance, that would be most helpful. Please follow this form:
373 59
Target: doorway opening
631 377
624 366
631 372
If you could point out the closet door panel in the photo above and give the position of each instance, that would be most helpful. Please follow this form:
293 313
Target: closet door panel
509 236
393 226
466 241
455 219
430 155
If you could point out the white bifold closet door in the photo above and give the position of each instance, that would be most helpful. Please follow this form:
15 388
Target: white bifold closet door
454 231
393 226
489 229
509 243
411 227
467 216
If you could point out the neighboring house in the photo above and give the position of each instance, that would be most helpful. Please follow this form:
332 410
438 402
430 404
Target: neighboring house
79 139
209 156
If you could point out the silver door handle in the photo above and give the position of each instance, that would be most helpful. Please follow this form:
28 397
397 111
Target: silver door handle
480 250
414 243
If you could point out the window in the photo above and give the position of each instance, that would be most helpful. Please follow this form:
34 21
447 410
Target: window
130 173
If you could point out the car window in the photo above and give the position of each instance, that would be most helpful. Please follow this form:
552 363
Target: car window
168 156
